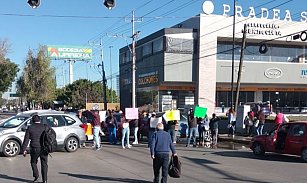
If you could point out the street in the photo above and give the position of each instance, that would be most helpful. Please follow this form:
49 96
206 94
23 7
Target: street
113 164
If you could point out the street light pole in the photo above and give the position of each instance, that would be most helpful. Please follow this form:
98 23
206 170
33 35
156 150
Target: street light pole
111 87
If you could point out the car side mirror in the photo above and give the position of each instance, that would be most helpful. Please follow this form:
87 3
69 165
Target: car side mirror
24 128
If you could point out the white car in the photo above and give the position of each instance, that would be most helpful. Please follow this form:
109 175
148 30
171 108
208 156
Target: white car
69 134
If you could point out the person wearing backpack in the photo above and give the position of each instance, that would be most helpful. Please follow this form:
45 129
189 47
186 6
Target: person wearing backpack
34 133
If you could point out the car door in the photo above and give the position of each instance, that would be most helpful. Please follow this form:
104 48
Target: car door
294 139
58 124
270 140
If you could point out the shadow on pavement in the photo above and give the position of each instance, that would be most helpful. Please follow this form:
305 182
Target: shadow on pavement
227 175
266 157
98 178
2 176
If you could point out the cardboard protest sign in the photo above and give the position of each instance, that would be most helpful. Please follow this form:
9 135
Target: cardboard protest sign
132 113
102 115
200 111
172 115
154 122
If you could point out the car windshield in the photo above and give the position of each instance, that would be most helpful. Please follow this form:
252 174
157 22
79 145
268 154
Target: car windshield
13 122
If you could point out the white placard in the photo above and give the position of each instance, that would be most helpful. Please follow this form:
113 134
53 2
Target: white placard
102 115
154 122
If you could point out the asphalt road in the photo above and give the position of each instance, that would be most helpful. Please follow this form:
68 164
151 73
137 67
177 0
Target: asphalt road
115 165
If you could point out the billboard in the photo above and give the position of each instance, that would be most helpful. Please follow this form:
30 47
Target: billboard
57 52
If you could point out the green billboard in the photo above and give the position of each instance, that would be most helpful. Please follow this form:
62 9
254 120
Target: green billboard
69 52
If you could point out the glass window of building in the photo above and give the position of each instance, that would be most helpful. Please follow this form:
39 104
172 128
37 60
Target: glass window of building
275 53
178 45
147 49
157 45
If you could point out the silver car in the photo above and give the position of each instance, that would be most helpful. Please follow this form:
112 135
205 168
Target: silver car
69 134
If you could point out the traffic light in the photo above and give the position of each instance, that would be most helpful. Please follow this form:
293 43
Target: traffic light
109 4
34 3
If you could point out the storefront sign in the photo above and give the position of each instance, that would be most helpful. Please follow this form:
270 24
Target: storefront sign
303 73
273 73
149 78
264 13
269 29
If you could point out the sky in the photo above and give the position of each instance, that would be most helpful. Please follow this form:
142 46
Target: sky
84 23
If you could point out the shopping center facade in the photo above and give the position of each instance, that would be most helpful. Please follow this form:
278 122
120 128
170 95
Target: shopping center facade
191 62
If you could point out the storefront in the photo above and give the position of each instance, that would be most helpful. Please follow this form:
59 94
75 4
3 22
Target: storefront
193 61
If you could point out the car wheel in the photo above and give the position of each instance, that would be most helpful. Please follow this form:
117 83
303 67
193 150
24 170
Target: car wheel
72 144
304 155
11 148
258 149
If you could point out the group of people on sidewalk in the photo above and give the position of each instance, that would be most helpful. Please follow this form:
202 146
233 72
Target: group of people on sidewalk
207 129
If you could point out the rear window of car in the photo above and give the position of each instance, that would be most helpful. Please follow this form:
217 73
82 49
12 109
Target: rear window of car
297 130
69 120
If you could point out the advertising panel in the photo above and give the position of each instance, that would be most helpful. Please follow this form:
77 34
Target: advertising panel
69 52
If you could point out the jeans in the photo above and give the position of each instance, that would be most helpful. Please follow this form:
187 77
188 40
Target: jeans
192 131
135 131
214 133
200 135
112 135
260 129
36 153
173 134
96 136
125 134
161 160
232 129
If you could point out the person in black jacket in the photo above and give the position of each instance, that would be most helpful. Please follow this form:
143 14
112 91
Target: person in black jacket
34 133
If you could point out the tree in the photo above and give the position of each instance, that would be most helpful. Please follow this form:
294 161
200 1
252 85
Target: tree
37 83
79 92
8 69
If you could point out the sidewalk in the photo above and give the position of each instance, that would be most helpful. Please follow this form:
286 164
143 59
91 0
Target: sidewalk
237 138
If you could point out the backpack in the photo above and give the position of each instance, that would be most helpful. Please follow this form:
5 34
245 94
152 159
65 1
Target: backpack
48 140
174 168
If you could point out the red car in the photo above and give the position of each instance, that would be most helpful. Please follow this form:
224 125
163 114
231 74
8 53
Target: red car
288 138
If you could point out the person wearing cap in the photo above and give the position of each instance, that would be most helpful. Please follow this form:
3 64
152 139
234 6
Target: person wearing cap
34 133
160 148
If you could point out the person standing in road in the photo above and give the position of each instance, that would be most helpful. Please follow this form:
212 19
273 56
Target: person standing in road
112 126
96 128
201 128
151 129
135 128
160 147
280 118
34 133
214 127
192 131
125 132
261 118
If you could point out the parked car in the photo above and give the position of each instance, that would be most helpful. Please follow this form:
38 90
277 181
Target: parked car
295 140
67 127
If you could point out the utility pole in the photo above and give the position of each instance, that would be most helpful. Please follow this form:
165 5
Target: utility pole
133 63
111 88
134 36
240 67
233 51
104 87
